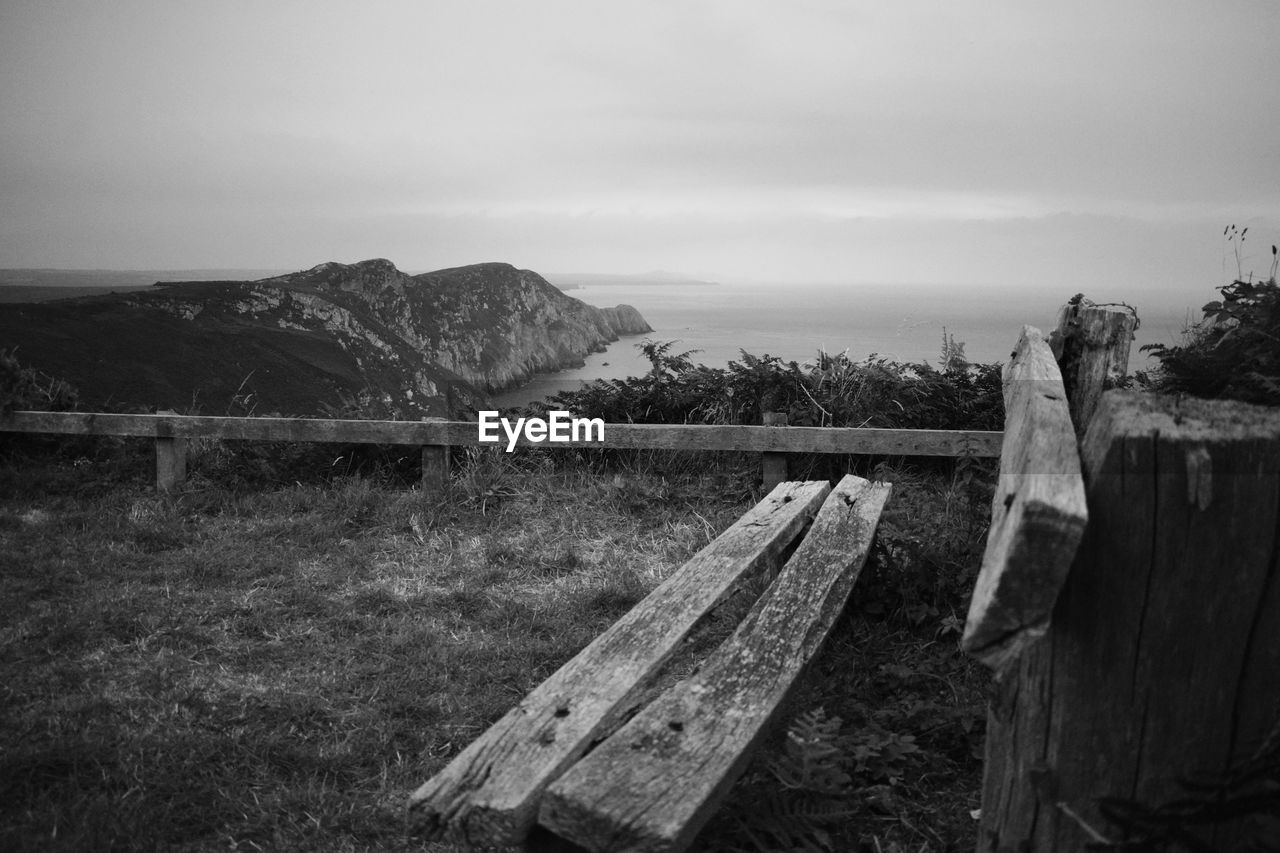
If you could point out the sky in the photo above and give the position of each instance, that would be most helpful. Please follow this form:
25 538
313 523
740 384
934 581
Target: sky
1078 146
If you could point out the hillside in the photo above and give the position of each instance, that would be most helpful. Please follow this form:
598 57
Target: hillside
304 342
43 285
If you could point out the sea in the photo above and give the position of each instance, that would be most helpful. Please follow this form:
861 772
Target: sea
795 322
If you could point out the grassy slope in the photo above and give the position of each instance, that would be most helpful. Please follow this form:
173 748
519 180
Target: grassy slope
118 354
277 669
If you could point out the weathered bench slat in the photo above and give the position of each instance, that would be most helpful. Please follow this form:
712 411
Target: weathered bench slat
1038 514
655 782
489 793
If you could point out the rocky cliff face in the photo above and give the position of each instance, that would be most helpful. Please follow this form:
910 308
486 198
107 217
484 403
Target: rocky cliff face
413 345
496 325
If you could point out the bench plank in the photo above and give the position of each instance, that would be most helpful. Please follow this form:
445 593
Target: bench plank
1038 513
488 794
654 783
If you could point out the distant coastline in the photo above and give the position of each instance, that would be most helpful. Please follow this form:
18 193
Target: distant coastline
575 281
46 284
899 322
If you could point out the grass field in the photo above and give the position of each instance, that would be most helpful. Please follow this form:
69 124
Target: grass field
277 668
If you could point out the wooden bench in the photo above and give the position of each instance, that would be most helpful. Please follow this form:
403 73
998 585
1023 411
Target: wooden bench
584 762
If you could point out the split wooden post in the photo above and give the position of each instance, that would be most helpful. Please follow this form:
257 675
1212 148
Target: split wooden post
773 465
171 455
435 465
653 784
489 793
1038 513
1091 344
1160 663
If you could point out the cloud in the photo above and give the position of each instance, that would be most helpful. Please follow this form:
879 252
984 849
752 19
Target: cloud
718 134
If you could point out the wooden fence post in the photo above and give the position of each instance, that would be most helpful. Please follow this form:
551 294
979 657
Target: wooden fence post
171 456
435 465
1038 512
1091 345
1161 661
773 465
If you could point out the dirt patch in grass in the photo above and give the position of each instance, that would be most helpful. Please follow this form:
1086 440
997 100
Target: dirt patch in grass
279 669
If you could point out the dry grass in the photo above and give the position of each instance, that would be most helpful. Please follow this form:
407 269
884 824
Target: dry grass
278 669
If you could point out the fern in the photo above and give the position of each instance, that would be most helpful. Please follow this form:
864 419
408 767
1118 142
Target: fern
1232 353
787 821
813 758
833 390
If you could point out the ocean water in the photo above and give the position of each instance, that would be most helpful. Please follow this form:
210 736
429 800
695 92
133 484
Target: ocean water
795 322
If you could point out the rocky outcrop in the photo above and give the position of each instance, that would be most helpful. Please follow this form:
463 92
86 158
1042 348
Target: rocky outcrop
429 344
496 325
491 324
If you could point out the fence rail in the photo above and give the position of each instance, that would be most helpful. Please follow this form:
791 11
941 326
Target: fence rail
433 435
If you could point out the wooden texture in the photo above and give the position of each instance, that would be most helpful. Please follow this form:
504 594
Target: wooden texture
435 465
760 439
489 793
653 784
1092 345
1163 658
773 466
1038 513
171 460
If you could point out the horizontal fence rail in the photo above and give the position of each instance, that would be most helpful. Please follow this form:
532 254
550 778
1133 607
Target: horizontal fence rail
171 432
885 442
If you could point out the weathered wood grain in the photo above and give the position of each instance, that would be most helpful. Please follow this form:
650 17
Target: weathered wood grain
773 466
652 785
1091 344
1038 513
171 460
435 464
1163 658
247 429
882 442
435 467
489 793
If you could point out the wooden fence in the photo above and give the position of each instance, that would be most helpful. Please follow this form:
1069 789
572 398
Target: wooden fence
1128 602
171 432
1129 606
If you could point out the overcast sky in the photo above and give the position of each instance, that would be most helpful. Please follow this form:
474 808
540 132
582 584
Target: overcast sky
1074 145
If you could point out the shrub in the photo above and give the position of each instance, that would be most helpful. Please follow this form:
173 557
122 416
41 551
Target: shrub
1233 353
831 390
27 389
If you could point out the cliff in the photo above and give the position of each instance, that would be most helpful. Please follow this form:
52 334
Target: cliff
313 341
496 325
